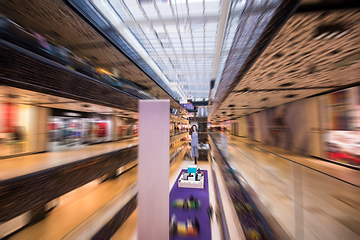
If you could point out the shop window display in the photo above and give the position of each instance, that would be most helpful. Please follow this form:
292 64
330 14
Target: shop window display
67 132
70 129
342 126
126 128
15 127
100 129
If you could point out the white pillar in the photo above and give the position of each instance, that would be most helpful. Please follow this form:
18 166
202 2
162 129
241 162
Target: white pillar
153 169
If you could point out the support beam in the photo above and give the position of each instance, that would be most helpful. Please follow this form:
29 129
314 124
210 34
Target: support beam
153 173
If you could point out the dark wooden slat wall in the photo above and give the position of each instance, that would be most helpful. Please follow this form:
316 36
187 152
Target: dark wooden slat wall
32 191
24 69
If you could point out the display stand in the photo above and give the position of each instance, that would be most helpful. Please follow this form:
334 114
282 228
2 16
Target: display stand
192 178
190 183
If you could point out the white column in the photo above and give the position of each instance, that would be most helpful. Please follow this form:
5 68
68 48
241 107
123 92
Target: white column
153 169
224 144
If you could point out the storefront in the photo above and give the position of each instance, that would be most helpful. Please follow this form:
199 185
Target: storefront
126 128
17 128
341 125
73 129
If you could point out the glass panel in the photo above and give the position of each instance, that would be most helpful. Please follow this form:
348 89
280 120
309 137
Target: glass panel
306 203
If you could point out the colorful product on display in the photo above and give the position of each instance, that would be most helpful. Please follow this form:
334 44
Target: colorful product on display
192 203
101 131
184 229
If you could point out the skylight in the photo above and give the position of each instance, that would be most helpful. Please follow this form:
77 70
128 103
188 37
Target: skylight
177 39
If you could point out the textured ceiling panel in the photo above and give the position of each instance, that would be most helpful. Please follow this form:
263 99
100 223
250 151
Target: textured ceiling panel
300 63
257 26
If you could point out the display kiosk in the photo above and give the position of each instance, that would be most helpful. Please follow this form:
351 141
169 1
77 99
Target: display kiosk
193 178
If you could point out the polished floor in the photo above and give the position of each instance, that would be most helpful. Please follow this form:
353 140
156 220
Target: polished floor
77 206
301 197
18 166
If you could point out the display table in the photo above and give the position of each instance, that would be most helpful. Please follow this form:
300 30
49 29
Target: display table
191 183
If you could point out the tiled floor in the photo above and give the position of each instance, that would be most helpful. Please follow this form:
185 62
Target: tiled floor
306 203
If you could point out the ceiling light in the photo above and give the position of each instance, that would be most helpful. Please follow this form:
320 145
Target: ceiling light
341 34
322 35
330 30
291 95
14 96
286 84
332 34
312 70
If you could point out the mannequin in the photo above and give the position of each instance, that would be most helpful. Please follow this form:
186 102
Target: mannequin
194 142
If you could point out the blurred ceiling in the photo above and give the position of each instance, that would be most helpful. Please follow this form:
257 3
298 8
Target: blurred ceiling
54 20
315 52
182 43
277 56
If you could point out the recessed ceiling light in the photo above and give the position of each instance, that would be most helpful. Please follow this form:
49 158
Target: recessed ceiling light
332 34
341 34
14 96
278 55
312 70
286 84
321 35
290 95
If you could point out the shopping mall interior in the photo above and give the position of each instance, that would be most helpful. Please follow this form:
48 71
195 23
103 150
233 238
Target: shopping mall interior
179 119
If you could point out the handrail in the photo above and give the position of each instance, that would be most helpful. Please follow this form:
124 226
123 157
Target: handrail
342 180
101 217
245 192
225 229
